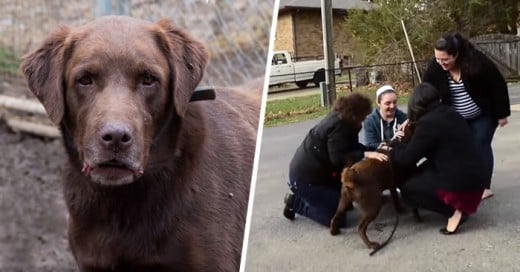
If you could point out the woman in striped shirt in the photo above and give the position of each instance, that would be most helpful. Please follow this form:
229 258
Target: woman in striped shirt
470 82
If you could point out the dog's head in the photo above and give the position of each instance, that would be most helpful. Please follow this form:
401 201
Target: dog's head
113 84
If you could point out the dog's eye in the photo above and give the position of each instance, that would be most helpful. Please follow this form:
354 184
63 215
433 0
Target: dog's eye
148 80
85 80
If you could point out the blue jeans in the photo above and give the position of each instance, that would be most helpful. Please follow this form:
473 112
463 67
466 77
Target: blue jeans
315 201
483 128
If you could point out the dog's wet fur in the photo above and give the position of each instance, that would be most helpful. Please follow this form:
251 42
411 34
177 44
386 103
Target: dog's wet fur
363 183
154 182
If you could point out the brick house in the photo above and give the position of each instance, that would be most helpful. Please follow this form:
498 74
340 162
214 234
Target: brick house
299 27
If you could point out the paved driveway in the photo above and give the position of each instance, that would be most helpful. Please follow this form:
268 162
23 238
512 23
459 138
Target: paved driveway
489 241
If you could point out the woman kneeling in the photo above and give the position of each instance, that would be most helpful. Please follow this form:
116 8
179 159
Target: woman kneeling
450 181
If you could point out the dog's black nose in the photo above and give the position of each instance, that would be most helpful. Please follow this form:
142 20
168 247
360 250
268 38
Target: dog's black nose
116 136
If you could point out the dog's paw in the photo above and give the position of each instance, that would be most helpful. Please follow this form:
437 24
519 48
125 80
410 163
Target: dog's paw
418 218
334 231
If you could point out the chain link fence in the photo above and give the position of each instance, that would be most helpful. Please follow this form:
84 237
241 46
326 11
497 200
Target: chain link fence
236 32
400 73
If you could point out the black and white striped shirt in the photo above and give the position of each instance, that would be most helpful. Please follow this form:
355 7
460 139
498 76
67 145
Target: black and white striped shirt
462 102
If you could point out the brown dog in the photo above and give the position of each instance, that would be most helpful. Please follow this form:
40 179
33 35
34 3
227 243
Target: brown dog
154 183
364 183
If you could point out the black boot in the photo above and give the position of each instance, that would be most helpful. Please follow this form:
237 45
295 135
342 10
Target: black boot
288 212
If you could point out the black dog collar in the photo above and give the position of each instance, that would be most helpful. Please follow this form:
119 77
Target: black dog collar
203 93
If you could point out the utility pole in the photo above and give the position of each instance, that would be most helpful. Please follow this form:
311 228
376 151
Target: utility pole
328 48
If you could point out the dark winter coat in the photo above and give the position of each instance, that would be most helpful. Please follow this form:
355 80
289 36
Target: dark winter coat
444 138
487 87
325 150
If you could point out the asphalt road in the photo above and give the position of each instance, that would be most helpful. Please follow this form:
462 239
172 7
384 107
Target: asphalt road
489 241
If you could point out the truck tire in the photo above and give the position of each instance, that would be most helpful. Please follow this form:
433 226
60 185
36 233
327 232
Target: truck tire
302 84
319 76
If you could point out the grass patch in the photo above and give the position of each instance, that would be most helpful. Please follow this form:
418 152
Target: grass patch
297 109
9 62
294 109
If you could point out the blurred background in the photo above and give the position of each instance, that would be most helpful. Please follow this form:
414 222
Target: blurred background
236 32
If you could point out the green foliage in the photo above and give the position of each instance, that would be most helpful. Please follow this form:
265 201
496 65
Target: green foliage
476 17
9 62
378 36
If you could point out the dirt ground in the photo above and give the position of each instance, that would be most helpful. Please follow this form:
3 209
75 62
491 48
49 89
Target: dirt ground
32 211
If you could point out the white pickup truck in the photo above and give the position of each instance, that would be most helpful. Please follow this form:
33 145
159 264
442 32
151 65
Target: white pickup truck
284 70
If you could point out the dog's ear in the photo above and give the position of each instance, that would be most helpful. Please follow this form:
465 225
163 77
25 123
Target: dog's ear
187 58
43 69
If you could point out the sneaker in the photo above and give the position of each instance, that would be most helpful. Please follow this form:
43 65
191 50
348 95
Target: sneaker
288 211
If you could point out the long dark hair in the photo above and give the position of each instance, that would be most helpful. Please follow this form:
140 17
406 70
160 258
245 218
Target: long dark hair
456 45
424 96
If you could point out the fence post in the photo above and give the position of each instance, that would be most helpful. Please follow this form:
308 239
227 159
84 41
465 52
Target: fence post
413 75
324 94
349 79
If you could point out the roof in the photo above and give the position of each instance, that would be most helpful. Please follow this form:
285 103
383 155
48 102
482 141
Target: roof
316 4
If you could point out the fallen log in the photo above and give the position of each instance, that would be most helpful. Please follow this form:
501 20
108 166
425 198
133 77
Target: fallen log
27 116
20 104
17 124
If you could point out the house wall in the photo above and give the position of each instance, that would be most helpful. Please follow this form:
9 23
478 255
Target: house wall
284 36
300 32
308 32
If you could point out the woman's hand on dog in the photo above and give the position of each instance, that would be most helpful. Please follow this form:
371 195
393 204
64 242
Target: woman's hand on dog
402 127
383 147
399 134
376 155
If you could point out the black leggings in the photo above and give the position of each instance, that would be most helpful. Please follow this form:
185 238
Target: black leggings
420 191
